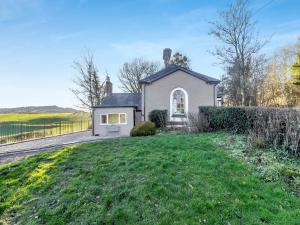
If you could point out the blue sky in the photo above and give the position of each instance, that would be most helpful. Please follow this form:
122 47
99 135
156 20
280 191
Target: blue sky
39 39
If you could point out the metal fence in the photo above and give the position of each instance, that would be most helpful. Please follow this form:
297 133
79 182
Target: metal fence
11 132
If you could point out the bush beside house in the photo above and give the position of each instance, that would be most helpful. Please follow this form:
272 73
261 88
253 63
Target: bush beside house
279 127
159 118
143 129
226 118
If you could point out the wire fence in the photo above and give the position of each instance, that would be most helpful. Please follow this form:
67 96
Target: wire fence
11 132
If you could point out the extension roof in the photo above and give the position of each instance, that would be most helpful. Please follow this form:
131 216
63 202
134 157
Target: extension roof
122 100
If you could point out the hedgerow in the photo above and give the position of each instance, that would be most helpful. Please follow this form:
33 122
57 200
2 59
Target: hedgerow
279 127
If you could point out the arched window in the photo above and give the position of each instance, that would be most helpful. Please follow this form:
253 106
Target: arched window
178 102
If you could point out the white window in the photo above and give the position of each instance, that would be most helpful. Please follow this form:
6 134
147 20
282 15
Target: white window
103 119
113 118
178 104
122 118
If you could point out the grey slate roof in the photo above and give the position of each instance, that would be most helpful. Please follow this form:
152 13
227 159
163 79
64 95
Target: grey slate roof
171 69
122 100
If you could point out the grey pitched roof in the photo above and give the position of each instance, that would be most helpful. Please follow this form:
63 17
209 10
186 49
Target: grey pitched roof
171 69
122 100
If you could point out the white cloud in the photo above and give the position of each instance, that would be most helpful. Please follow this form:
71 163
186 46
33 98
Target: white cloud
67 36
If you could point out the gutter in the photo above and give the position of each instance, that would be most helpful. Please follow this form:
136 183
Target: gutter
144 102
93 132
214 95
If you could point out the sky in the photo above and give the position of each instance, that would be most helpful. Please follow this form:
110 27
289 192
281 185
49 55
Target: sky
40 39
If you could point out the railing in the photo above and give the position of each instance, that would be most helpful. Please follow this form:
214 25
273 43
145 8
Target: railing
11 132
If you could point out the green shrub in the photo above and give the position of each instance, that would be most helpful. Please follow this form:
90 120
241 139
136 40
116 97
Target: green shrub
143 129
159 118
277 127
226 118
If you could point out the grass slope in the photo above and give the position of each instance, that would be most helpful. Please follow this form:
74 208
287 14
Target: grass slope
167 179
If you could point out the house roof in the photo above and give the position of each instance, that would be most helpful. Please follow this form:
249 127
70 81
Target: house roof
122 100
173 68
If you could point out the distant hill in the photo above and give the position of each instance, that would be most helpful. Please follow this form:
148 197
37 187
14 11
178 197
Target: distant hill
39 109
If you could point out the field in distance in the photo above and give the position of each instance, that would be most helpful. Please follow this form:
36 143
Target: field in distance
15 127
43 117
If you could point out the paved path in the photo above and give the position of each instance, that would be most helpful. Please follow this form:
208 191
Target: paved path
13 152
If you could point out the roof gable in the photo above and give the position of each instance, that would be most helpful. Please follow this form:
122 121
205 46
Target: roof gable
172 69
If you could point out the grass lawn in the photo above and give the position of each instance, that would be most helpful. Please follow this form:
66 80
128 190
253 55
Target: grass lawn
164 179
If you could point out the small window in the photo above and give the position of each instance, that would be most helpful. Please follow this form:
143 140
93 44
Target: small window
123 118
113 118
103 119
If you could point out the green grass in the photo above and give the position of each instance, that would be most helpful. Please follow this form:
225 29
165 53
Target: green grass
165 179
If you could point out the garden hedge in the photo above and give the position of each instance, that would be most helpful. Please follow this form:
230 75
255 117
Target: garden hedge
159 118
143 129
279 127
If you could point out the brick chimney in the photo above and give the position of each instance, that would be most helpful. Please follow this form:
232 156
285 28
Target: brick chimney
108 86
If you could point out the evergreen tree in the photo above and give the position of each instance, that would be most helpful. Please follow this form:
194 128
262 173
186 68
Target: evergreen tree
179 59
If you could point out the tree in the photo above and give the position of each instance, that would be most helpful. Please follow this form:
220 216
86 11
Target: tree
180 60
277 87
132 72
89 90
239 50
296 70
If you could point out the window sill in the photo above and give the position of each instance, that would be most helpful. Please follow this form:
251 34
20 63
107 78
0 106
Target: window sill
115 124
179 115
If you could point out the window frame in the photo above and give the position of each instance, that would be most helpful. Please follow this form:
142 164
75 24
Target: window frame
119 119
173 116
125 118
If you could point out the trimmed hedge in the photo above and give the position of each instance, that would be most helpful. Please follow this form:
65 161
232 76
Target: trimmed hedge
279 127
159 118
226 118
143 129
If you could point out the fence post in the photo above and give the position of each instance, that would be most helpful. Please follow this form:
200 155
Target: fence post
60 127
21 131
44 128
81 125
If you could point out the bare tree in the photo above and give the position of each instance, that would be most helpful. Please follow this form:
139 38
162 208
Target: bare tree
241 45
180 60
296 70
132 72
89 89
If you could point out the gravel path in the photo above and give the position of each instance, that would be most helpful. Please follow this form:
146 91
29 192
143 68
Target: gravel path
13 152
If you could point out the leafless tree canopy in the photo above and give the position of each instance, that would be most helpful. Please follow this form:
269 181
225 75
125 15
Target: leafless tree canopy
132 72
239 50
89 89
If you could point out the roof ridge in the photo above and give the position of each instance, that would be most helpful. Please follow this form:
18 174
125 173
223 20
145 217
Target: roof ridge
168 70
